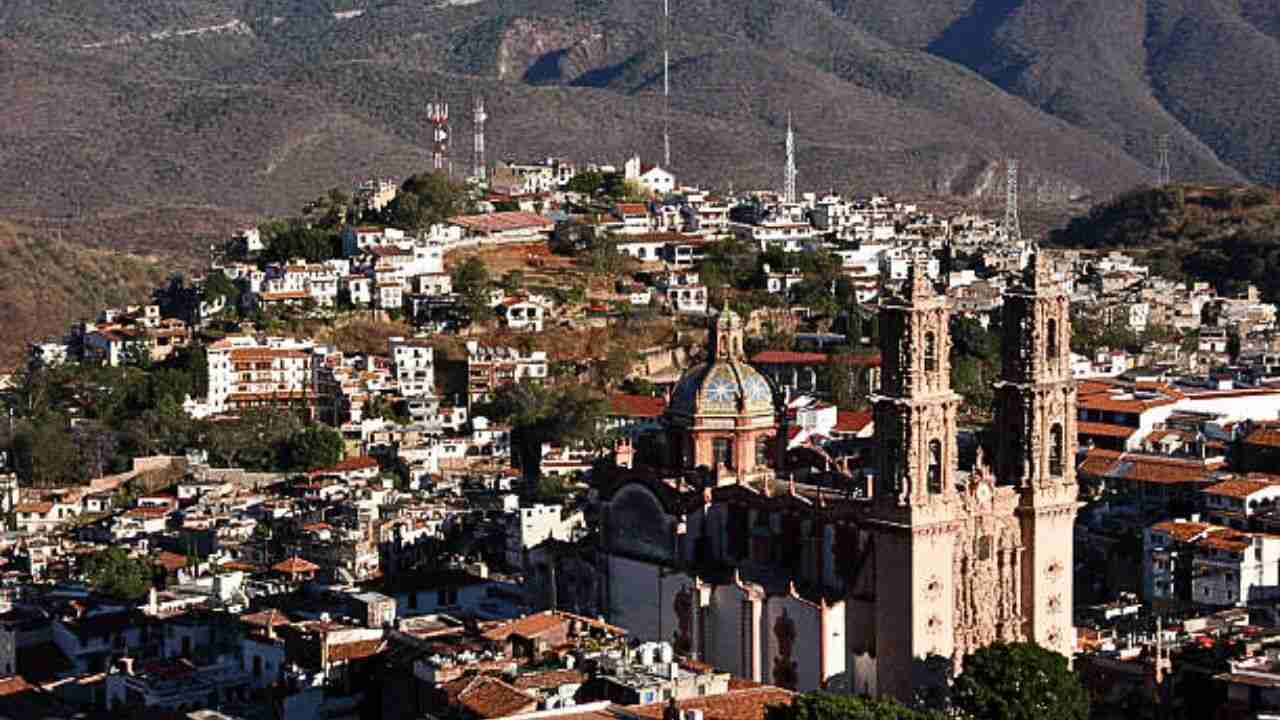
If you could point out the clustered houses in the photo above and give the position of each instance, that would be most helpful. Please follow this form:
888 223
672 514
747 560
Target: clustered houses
425 572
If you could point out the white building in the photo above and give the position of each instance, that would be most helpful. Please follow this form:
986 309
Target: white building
357 239
685 292
653 179
244 372
531 526
414 366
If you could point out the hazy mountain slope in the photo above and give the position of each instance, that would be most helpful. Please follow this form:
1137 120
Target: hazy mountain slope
1102 66
255 106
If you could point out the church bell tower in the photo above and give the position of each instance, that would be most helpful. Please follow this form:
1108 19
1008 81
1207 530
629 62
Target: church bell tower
1036 445
915 496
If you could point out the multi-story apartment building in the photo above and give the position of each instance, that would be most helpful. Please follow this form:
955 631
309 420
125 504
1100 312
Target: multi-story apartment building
489 368
1193 562
245 372
414 366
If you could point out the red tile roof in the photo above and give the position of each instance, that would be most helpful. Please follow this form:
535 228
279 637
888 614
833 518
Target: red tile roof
489 697
1239 488
357 650
1266 437
746 704
636 405
170 561
1182 530
527 626
549 679
786 357
1084 427
351 464
295 566
1139 467
852 421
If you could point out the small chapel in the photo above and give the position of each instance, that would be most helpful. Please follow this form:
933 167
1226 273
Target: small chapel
872 583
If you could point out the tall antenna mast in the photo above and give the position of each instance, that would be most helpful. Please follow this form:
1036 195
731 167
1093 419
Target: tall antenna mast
438 116
1164 175
789 181
1012 226
666 85
477 161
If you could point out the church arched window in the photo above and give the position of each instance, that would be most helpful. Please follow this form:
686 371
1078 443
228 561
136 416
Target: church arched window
1051 347
1057 449
930 352
935 467
722 449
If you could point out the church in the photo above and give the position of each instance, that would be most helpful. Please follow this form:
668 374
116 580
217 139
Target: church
861 585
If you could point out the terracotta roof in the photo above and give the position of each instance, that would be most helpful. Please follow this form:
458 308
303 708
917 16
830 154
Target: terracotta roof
746 704
351 464
266 618
786 357
1139 467
502 222
294 566
1229 541
636 405
852 421
33 507
1104 429
527 626
549 679
252 354
14 686
632 209
356 650
1117 399
489 697
1182 530
1266 437
170 561
1239 488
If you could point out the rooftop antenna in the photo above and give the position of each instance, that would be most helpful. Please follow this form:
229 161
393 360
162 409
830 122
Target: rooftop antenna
666 85
1164 175
478 165
1012 226
438 116
789 181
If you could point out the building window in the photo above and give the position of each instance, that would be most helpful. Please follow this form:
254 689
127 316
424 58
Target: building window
1051 347
1056 450
762 452
722 452
984 547
930 352
935 467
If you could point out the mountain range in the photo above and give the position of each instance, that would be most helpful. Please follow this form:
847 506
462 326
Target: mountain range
155 126
252 106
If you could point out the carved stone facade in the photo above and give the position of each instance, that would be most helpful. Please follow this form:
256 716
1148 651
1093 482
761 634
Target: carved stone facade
832 589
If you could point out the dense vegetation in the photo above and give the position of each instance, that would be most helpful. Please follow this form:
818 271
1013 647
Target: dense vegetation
1229 237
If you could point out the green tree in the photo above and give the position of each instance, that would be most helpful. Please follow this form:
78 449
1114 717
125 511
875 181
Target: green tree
114 574
572 415
1019 681
43 452
826 706
426 199
472 283
217 284
316 446
588 183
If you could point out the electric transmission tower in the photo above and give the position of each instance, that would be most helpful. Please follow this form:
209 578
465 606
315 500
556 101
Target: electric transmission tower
1012 226
438 116
789 179
478 165
1164 175
666 85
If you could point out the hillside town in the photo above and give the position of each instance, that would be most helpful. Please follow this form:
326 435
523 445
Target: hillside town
585 442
